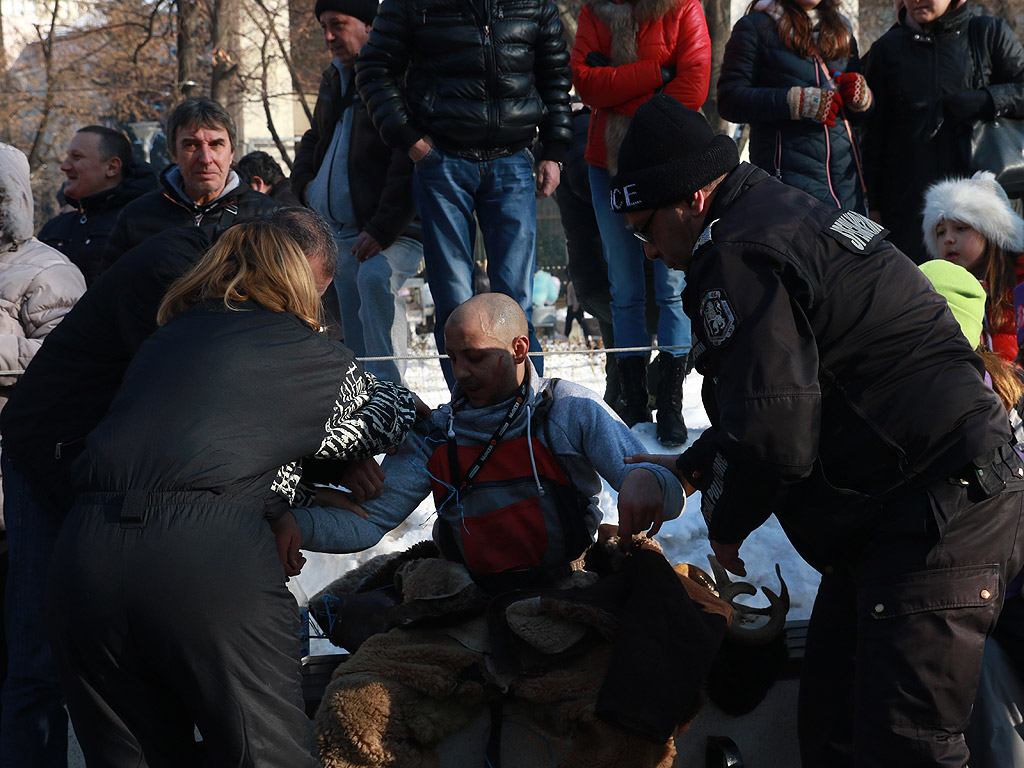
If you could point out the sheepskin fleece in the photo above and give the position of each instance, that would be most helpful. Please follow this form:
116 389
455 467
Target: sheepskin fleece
978 201
407 690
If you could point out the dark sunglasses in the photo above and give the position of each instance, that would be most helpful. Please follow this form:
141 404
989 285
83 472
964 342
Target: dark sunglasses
641 234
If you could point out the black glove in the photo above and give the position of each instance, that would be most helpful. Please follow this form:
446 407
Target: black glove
597 59
667 73
968 105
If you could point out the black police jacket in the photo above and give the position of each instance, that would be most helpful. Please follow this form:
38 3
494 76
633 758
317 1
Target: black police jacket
835 377
478 77
167 207
81 235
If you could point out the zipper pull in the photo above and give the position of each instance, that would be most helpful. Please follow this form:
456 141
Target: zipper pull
56 451
501 13
487 34
84 218
199 219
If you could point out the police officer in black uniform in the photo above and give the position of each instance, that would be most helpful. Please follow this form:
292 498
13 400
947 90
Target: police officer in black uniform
844 399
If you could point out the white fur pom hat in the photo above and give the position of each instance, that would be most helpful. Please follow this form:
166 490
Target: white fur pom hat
978 201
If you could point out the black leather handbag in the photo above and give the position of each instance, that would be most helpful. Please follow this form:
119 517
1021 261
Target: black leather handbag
997 145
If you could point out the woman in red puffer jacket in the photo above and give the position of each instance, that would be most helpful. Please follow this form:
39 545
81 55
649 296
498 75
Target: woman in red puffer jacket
625 52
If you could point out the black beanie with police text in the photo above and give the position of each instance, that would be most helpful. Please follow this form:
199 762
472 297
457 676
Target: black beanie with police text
364 10
668 153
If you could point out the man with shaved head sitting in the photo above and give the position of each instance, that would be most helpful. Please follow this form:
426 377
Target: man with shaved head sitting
514 462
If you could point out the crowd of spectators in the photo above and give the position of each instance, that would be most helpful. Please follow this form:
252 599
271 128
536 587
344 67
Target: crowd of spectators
434 122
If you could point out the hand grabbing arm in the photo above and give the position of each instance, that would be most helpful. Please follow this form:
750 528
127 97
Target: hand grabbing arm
287 540
641 504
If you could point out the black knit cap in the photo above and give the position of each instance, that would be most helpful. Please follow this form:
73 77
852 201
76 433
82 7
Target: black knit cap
668 153
364 10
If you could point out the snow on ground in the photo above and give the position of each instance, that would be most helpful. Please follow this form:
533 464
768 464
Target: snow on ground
683 539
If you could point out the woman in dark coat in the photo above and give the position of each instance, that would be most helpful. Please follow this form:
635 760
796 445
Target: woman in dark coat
790 72
171 610
928 96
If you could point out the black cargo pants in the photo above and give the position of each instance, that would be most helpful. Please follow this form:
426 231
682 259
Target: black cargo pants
895 641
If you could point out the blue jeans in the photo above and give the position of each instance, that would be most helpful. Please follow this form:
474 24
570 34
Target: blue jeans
625 257
447 190
34 730
372 312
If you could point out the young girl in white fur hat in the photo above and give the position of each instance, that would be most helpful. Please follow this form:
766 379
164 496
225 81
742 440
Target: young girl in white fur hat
970 222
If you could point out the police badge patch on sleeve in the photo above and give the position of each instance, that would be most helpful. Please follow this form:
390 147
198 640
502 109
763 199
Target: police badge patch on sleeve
855 233
719 320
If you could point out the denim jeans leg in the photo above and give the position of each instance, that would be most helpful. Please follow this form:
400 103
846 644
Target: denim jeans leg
673 324
34 729
382 310
507 210
625 256
444 188
348 292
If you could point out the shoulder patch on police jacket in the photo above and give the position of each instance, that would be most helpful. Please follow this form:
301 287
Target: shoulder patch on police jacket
719 319
855 232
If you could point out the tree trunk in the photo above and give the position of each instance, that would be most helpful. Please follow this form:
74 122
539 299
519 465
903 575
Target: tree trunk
188 49
719 27
224 81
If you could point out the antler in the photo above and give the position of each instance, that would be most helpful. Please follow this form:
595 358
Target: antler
748 623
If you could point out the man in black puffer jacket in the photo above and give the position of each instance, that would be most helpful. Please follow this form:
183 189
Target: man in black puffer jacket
201 190
463 87
101 180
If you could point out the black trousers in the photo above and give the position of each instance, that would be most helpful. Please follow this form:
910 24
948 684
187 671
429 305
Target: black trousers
895 640
170 612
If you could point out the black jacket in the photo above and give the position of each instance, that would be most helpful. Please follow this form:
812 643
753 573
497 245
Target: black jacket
757 73
834 375
69 384
908 145
166 207
479 84
281 193
81 235
219 400
380 178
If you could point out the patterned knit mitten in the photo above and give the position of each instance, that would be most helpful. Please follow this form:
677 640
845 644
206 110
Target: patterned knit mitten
854 90
815 104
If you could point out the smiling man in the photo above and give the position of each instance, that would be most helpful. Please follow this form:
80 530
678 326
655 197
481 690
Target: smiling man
100 179
200 190
844 399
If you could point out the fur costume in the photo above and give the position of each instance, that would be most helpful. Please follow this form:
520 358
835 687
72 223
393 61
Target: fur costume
555 652
978 201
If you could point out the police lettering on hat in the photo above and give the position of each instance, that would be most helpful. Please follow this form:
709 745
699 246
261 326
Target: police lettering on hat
626 198
669 152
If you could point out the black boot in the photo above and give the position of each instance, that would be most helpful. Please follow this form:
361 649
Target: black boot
633 380
669 400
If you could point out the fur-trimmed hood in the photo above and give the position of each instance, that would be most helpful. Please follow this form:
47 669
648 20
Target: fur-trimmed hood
978 201
16 208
